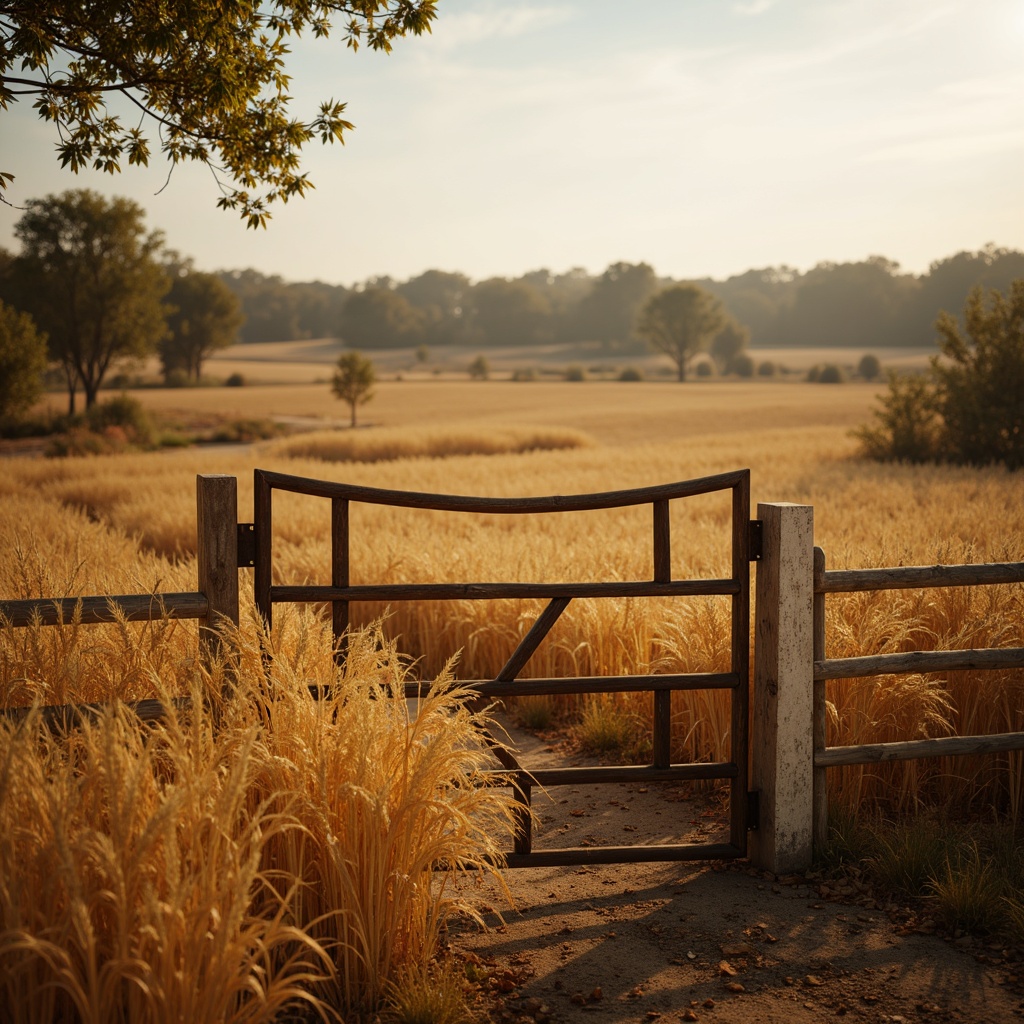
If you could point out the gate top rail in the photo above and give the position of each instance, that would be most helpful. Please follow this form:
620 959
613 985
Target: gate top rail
501 506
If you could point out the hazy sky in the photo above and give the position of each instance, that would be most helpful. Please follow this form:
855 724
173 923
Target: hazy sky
703 136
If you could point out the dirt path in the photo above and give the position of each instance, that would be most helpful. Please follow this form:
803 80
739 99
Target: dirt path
712 942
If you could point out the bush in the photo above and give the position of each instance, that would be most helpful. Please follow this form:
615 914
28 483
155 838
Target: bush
575 373
479 369
980 382
767 369
121 414
630 373
525 375
869 367
22 362
177 378
814 373
236 380
742 365
908 428
832 373
971 407
704 369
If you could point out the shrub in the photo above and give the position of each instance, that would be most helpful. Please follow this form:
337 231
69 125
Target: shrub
575 373
814 373
630 373
908 428
22 362
704 369
971 408
177 378
236 380
766 369
479 369
869 367
527 374
742 365
122 413
832 373
980 381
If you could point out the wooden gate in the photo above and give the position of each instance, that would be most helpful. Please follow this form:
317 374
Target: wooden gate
744 548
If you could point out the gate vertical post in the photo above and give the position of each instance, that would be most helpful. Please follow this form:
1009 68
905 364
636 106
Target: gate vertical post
783 741
217 555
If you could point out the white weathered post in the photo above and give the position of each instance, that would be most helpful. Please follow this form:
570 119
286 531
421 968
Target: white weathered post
782 766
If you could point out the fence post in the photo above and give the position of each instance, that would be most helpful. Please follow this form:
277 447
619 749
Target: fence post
217 520
783 744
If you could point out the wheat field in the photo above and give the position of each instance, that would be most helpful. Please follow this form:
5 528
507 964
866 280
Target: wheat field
127 524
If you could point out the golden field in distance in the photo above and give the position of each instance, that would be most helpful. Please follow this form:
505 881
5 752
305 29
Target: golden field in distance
118 524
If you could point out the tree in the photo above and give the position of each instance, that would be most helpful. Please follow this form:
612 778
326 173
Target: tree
507 312
608 312
680 322
90 279
203 315
869 366
479 369
727 344
210 77
353 380
22 362
379 318
980 380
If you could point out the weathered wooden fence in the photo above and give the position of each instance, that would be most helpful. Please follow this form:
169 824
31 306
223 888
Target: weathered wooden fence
789 748
789 756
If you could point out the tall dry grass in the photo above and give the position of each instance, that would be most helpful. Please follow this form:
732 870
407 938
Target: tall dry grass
389 444
252 852
866 514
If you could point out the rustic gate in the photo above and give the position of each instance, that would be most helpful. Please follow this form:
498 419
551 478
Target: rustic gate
744 548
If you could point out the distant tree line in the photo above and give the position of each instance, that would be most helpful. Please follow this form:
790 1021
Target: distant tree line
870 303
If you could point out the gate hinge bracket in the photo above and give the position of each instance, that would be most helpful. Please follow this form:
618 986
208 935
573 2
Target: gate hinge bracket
753 810
756 534
246 545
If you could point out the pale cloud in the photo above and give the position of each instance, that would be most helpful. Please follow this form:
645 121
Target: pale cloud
751 8
465 28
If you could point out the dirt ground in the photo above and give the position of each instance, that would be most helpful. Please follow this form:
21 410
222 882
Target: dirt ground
711 942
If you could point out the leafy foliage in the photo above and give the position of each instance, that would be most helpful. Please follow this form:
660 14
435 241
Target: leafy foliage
681 321
210 76
353 380
22 362
89 277
203 315
981 380
971 408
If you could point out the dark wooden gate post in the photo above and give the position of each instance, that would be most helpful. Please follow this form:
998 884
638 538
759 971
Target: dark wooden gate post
217 520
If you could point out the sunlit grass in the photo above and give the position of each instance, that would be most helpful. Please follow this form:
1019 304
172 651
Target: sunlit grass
254 850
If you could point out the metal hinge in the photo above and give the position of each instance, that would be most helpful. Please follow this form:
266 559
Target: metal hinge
756 535
753 810
246 545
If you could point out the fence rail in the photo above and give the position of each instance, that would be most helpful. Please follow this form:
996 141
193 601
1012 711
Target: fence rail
899 578
215 600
